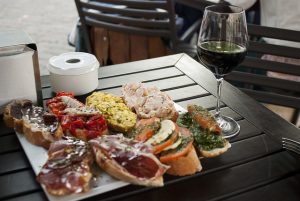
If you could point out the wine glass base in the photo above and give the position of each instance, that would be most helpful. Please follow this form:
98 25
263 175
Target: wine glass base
229 126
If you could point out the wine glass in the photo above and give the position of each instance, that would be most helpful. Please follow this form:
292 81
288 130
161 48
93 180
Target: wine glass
222 45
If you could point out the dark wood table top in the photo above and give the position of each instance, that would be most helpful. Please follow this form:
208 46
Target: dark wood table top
255 168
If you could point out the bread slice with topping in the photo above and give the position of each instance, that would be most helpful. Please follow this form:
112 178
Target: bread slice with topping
119 117
67 169
13 114
149 102
216 151
208 138
39 127
84 123
181 156
128 160
166 136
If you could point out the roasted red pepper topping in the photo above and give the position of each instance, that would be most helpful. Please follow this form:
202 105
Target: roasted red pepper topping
91 127
56 105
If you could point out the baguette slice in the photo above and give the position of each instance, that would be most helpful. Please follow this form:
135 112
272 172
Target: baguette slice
182 158
149 102
41 128
84 123
67 169
13 114
215 152
185 165
128 160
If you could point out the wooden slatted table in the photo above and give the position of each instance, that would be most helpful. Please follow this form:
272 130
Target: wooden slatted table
255 168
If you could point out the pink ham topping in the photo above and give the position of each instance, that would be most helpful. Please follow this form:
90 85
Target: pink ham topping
135 157
67 167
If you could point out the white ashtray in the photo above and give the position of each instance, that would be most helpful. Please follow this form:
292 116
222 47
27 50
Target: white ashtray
75 72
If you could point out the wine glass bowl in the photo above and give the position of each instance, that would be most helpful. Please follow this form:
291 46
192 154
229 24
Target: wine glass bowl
222 45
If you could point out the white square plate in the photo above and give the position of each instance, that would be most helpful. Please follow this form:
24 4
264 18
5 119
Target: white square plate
103 183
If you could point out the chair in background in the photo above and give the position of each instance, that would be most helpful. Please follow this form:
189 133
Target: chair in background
266 89
129 29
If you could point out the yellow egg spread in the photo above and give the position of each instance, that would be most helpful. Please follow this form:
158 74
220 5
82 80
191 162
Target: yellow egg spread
118 115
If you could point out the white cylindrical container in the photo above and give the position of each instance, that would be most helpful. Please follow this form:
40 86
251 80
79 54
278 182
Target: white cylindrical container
75 72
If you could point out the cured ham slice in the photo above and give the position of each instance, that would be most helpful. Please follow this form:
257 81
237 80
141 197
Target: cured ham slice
128 160
68 167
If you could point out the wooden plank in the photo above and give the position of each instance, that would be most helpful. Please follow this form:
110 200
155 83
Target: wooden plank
279 50
273 98
30 197
273 32
139 4
226 111
16 183
13 161
139 66
187 92
253 148
9 143
138 47
45 81
156 47
4 130
100 43
241 152
208 102
163 84
248 130
119 46
285 189
247 107
137 77
214 185
254 62
130 67
264 81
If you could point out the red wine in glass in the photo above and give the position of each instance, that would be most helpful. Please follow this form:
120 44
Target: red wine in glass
222 45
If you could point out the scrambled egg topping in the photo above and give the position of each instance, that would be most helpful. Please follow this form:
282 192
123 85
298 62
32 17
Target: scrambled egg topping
118 115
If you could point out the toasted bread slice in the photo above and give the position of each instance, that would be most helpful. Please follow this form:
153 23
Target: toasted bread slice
115 170
13 115
67 169
128 160
119 117
185 165
149 102
84 123
41 128
181 156
215 152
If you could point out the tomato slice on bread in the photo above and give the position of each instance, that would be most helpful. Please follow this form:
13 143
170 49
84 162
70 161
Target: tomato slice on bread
181 150
145 129
166 136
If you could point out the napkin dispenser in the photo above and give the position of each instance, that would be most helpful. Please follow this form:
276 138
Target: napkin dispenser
19 68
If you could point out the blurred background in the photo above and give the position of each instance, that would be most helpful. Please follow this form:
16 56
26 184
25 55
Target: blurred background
47 22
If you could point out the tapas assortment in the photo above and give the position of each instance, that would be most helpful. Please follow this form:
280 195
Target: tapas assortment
136 138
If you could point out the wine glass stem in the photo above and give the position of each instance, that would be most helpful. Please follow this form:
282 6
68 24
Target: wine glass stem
219 87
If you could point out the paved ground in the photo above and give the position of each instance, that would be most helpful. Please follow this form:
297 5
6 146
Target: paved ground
48 22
